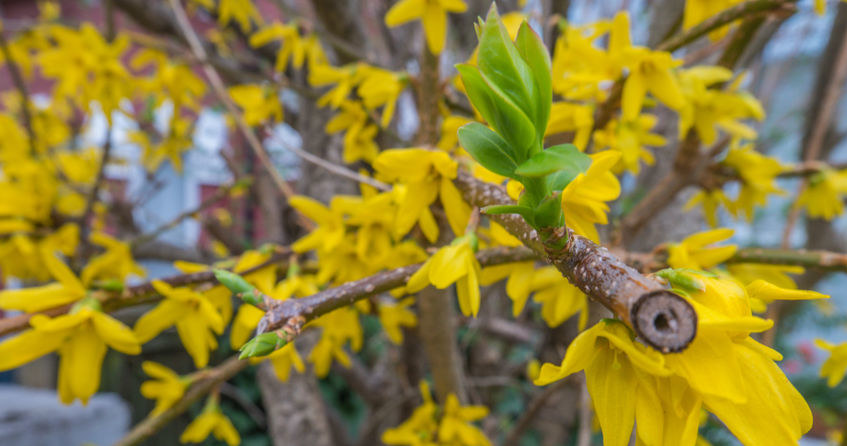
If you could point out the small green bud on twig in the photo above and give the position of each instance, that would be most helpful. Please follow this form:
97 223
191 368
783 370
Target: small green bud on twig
262 345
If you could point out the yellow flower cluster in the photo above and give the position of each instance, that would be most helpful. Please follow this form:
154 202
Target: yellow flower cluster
432 424
723 371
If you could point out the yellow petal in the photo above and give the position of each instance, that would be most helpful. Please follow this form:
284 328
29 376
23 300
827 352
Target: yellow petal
710 366
609 376
81 363
634 90
467 289
435 27
245 322
404 11
62 273
768 292
199 429
449 264
580 353
157 320
194 335
115 334
458 212
27 346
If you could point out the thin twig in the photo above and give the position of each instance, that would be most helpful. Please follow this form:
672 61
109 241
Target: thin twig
222 192
531 411
292 314
236 394
335 168
95 190
814 144
220 90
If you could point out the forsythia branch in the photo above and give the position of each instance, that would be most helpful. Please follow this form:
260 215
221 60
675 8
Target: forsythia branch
661 318
826 260
291 315
134 295
220 90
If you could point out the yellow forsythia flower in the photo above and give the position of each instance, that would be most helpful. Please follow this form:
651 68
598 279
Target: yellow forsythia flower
115 263
710 200
80 337
338 327
242 12
393 316
430 424
584 199
68 289
427 174
260 104
630 138
834 368
698 10
283 360
211 422
694 251
192 314
381 88
457 264
166 387
823 196
649 71
558 298
723 370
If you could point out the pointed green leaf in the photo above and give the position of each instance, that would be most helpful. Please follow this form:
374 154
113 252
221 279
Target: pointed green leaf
500 112
232 281
488 148
535 54
500 62
240 287
564 157
682 279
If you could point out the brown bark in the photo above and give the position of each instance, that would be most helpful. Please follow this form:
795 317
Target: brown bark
660 318
295 409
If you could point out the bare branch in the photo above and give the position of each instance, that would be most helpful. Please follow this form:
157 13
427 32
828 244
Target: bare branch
220 90
292 314
659 317
134 295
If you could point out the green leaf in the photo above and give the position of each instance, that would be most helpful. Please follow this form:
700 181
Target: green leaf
232 281
564 157
500 112
681 279
240 287
488 148
535 54
502 209
548 214
500 62
262 345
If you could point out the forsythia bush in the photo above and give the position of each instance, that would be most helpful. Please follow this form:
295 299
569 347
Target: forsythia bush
421 220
